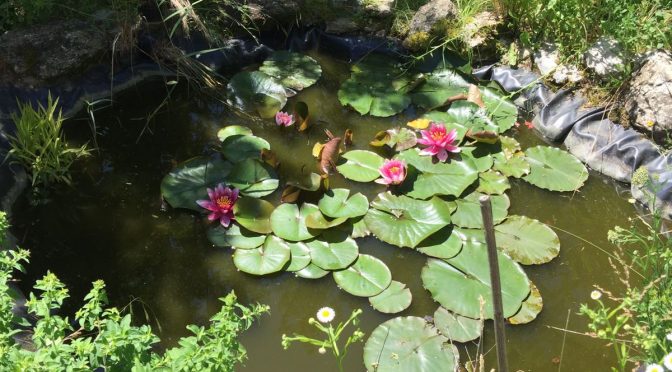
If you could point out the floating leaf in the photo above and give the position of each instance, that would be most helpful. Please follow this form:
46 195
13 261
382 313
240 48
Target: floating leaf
439 86
189 181
509 146
531 307
239 147
290 194
335 203
515 166
409 344
289 222
333 251
317 149
527 240
253 178
492 182
359 229
367 277
253 214
421 123
394 299
441 244
270 158
316 220
347 137
267 259
302 115
361 165
468 213
554 169
308 182
312 271
459 283
293 70
256 92
233 130
404 221
457 327
476 157
300 256
483 136
235 237
500 108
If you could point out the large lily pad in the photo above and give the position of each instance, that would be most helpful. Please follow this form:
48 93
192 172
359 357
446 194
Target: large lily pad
500 108
367 277
267 259
404 221
459 283
333 251
394 299
493 183
554 169
409 344
316 220
189 181
293 70
335 203
457 327
300 256
312 271
441 244
239 147
235 237
256 92
361 165
514 166
531 307
232 130
527 240
468 213
254 214
439 86
253 178
289 222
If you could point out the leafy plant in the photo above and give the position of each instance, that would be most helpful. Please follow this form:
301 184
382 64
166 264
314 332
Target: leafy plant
39 144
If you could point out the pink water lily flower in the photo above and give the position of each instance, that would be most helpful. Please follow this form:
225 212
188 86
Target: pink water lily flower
220 205
284 119
393 172
439 141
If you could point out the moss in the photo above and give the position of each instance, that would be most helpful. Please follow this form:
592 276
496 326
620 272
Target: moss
640 177
418 41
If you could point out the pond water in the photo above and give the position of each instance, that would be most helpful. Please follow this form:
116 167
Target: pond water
111 226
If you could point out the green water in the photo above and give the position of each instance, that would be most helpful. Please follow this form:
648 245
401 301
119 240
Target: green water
111 226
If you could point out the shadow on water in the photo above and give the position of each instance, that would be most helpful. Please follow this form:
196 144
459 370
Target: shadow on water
111 227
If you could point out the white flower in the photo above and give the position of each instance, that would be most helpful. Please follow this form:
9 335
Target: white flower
667 361
669 336
654 368
326 314
322 350
595 295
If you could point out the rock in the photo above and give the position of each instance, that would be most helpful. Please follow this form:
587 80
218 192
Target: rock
648 98
377 8
605 57
431 13
273 11
547 58
567 74
342 25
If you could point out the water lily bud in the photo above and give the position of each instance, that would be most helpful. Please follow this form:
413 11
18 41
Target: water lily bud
322 350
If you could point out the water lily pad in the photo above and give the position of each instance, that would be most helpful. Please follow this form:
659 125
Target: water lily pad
267 259
439 86
514 166
253 177
189 181
531 307
239 147
254 214
459 283
233 130
361 165
500 108
472 117
235 237
335 203
359 229
394 299
527 240
333 251
398 139
256 92
312 271
289 222
493 183
409 344
316 220
450 122
456 327
441 244
367 277
404 221
308 182
479 159
554 169
300 256
468 213
293 70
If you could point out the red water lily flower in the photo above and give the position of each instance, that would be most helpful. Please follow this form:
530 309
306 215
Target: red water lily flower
393 172
284 119
439 141
220 205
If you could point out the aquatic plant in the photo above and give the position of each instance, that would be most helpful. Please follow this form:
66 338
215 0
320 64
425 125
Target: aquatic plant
284 119
332 334
393 172
220 204
439 141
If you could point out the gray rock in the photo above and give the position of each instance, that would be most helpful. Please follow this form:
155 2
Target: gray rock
342 25
567 74
377 8
430 13
648 98
547 58
605 57
273 11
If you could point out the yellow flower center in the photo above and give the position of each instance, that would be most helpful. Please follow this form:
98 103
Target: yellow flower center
223 202
394 169
437 135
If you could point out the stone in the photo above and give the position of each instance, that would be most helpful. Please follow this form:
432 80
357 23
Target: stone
342 25
273 11
547 58
648 97
605 57
567 74
429 14
377 8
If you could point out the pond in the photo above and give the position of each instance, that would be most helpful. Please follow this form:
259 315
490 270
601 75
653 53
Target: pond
113 226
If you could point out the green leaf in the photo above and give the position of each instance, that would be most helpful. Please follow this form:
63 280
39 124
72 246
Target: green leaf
239 147
256 92
300 256
367 277
554 169
531 307
235 237
254 178
316 220
409 344
468 213
289 222
293 70
333 251
457 327
335 203
477 158
361 165
527 240
405 222
441 244
312 271
308 182
394 299
449 121
500 109
492 182
189 181
515 166
253 214
267 259
233 130
439 86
